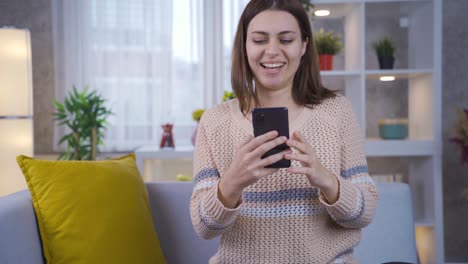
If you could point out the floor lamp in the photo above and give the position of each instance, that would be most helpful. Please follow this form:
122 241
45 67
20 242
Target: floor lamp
16 108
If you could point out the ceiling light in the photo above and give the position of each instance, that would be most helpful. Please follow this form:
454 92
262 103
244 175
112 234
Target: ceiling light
387 78
322 12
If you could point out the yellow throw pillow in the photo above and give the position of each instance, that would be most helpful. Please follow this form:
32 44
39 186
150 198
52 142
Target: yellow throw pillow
92 211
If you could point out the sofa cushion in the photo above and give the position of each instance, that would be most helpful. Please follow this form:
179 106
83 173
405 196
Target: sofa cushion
92 211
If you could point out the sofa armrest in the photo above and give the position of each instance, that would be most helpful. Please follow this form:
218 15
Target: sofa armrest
19 236
170 203
390 236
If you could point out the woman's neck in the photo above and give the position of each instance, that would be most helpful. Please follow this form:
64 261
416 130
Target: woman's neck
276 98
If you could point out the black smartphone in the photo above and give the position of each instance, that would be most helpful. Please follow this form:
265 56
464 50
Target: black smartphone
265 120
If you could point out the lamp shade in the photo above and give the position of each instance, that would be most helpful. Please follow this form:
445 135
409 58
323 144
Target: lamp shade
16 123
15 72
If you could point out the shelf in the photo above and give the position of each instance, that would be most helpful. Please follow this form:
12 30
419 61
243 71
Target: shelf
339 73
424 222
399 148
398 73
153 152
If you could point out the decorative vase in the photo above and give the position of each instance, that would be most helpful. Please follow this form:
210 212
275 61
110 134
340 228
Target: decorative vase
386 63
167 139
194 134
393 128
326 62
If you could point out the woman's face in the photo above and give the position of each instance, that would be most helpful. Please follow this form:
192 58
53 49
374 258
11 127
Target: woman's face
274 49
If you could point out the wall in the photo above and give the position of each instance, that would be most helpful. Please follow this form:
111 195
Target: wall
455 94
36 15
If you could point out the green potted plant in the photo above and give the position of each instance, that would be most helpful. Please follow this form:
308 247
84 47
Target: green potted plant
385 50
85 115
196 114
228 96
328 44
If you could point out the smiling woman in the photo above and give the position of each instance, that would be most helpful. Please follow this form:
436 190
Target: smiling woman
311 212
274 52
289 42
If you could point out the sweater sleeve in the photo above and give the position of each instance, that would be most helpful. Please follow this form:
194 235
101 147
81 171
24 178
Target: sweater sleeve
358 195
210 218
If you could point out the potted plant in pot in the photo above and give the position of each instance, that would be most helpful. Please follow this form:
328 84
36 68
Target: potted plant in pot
85 116
385 49
328 44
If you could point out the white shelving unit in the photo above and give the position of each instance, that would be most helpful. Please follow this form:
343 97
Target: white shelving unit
418 71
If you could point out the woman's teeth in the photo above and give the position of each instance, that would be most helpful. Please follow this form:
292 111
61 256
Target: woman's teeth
272 65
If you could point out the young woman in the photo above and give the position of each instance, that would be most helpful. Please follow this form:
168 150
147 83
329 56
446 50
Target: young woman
311 212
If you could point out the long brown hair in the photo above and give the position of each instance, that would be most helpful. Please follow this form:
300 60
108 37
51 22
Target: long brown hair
307 88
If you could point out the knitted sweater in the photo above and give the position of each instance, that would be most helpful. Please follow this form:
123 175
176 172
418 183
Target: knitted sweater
282 218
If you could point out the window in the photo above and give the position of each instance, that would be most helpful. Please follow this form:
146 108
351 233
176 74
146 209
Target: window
148 58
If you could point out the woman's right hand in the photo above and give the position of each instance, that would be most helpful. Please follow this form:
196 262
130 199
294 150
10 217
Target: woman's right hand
248 167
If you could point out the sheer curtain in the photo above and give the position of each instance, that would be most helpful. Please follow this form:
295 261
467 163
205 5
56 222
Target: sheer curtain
232 10
154 61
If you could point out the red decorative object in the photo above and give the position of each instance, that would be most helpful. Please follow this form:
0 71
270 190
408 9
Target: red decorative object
167 139
326 62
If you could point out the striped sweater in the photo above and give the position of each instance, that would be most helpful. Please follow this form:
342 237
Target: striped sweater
282 218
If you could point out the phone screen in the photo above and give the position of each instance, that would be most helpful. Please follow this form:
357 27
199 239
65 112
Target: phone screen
268 119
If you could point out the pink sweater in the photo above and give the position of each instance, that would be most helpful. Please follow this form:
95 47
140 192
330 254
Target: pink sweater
282 218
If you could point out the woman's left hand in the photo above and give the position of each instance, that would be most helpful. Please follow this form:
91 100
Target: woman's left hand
318 175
